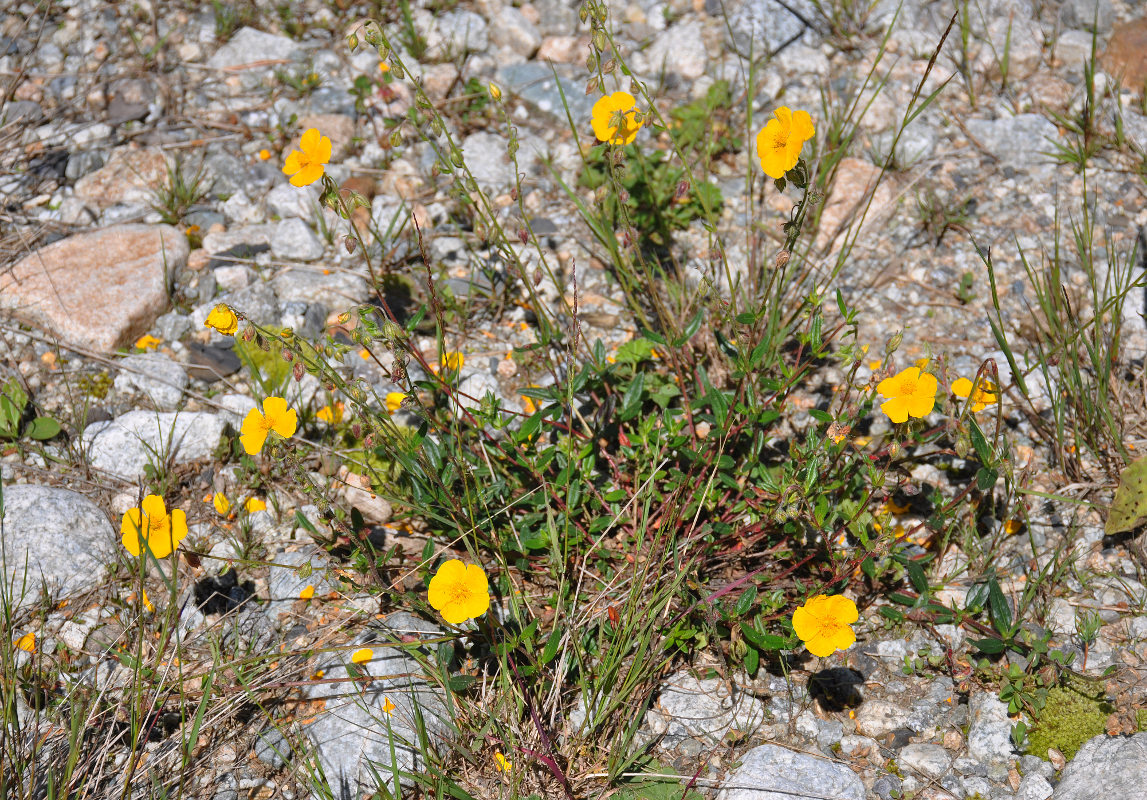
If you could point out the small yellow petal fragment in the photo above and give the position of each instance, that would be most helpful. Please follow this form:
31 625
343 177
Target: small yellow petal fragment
307 593
362 655
27 643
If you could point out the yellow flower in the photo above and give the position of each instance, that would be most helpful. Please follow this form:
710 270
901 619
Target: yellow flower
501 763
222 319
454 361
147 342
394 401
152 524
609 111
909 393
305 166
307 592
983 395
264 154
275 417
779 143
27 643
459 592
332 414
383 67
221 503
388 707
362 655
495 92
823 623
254 504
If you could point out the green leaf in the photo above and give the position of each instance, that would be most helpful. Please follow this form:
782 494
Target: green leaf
551 649
986 478
752 660
460 683
631 402
989 646
820 416
916 575
979 443
762 641
1000 608
639 349
1130 504
745 601
690 329
43 428
531 426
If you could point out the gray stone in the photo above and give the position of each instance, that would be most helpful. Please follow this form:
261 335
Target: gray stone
928 759
990 735
288 578
126 445
234 408
1034 787
770 772
878 717
679 50
456 32
305 319
473 388
485 155
767 24
154 375
1113 768
1019 142
286 201
272 748
353 737
707 709
337 291
63 538
514 31
294 240
249 45
250 237
234 276
257 302
1087 15
535 84
172 326
885 786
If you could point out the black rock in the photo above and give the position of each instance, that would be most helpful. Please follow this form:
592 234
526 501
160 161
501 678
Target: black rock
208 362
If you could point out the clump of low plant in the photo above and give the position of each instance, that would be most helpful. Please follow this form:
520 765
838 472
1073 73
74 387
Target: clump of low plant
1069 717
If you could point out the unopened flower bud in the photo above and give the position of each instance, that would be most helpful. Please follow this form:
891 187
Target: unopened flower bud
356 430
537 275
350 243
523 235
682 189
299 370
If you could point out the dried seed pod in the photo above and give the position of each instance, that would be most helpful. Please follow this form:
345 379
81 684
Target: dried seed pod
299 370
781 260
537 275
350 243
682 189
523 235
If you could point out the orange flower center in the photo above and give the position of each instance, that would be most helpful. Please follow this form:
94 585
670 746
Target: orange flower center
155 526
460 593
908 386
781 141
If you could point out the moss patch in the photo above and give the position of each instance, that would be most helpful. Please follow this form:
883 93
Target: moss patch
1069 719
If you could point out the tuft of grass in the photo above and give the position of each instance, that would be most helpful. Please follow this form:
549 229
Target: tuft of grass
180 194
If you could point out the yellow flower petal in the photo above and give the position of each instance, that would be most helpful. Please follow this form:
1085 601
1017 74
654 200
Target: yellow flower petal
961 387
459 592
254 432
501 763
27 643
281 419
222 319
307 175
254 504
362 655
388 707
221 503
307 593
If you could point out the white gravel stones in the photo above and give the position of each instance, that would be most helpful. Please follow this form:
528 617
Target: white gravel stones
770 772
456 32
286 201
249 46
707 709
514 31
764 25
1018 142
63 538
1107 767
286 582
337 291
154 375
1034 787
928 759
353 736
990 735
878 717
485 154
126 445
680 50
294 240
